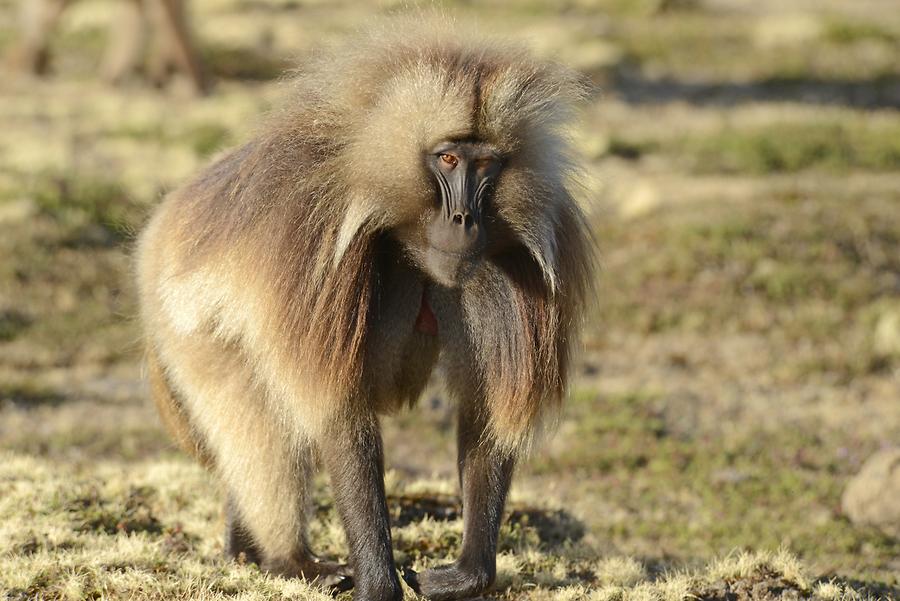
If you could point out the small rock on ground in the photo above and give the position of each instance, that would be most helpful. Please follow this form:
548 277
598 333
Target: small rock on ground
872 497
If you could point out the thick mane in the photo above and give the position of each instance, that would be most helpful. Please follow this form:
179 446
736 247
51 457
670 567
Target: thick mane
525 356
278 215
300 194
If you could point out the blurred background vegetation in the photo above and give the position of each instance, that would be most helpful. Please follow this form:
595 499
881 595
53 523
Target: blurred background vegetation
743 359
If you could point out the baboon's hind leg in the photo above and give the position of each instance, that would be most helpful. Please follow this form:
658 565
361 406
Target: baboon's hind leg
288 552
239 543
240 546
298 560
172 411
265 466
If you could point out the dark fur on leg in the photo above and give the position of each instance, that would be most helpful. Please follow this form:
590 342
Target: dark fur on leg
239 544
485 473
355 463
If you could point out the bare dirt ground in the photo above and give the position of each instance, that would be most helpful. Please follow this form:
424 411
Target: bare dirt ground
742 360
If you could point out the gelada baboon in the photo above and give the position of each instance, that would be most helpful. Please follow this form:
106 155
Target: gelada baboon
411 204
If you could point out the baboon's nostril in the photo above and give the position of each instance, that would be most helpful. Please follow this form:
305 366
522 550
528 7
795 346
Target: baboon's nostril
469 221
458 218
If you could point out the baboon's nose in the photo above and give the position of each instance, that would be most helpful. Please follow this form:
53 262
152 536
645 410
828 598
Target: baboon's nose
463 219
458 234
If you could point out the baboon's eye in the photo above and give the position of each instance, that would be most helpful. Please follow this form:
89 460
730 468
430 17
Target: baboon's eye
483 163
450 159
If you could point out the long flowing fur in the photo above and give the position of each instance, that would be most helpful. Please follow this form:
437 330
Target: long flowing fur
299 211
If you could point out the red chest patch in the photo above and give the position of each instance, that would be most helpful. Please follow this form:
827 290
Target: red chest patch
426 322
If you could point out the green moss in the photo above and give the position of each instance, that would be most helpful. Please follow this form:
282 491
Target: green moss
787 147
721 50
207 138
775 262
833 146
844 31
12 323
629 149
648 7
98 210
679 42
154 132
204 138
244 63
29 393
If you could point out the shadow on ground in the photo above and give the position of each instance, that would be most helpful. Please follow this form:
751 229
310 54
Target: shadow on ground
636 88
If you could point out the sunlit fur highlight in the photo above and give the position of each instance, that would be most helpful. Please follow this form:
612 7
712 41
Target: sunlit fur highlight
287 212
260 280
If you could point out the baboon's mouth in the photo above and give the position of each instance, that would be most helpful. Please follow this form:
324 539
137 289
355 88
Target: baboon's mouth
426 322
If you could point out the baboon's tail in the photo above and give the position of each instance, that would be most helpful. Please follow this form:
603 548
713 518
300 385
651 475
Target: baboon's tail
172 412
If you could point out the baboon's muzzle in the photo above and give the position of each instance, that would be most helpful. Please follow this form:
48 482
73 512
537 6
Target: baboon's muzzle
456 235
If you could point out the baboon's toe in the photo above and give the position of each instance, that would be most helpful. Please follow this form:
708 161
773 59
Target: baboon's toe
338 577
337 583
331 575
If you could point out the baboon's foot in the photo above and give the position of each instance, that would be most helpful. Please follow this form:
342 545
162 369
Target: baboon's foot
449 582
239 545
335 576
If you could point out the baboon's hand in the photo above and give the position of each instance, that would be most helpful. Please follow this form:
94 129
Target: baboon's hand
450 582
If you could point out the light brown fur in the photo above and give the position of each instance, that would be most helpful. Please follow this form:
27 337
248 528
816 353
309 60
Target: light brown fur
278 292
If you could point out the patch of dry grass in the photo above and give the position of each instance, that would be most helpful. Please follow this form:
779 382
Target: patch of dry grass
151 530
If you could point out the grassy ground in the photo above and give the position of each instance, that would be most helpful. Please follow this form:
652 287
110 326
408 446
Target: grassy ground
742 361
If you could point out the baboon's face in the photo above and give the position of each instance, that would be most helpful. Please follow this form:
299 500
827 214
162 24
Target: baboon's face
454 235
